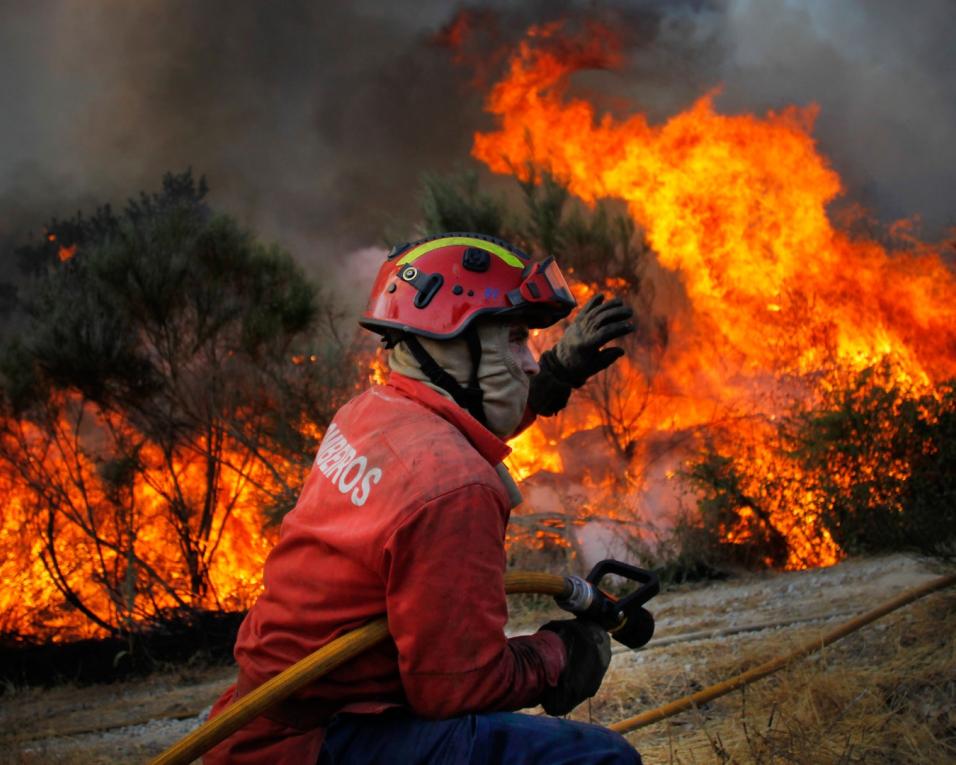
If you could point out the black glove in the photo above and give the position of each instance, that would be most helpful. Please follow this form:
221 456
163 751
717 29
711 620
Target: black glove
578 354
548 393
589 653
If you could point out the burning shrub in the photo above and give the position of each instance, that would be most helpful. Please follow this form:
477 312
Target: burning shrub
734 523
882 456
753 503
153 410
870 469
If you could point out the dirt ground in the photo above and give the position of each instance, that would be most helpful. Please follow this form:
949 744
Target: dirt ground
839 694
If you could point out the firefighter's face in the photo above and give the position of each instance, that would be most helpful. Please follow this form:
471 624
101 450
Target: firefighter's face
520 352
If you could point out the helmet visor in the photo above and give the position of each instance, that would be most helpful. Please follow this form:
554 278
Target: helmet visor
544 291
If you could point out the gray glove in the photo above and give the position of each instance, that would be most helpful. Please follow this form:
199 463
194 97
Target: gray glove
578 354
589 654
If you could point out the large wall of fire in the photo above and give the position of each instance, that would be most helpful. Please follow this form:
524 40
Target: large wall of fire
777 304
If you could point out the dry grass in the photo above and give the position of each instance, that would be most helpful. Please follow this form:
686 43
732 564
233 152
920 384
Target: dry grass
886 694
99 724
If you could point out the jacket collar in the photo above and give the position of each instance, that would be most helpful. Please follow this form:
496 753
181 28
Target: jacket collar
488 445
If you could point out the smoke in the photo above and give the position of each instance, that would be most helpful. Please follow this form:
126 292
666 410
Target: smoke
884 75
313 120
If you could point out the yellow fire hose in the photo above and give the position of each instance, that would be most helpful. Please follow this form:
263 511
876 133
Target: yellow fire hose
309 669
769 667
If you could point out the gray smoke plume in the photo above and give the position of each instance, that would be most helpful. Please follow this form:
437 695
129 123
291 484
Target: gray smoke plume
313 120
884 75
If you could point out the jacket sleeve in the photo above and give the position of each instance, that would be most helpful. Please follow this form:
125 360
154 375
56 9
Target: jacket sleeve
444 570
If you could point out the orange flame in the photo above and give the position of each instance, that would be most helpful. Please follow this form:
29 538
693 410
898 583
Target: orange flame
116 546
782 303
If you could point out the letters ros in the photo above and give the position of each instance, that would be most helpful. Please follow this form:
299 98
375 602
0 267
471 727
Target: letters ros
349 472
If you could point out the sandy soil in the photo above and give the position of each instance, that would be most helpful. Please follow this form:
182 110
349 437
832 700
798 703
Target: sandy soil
766 614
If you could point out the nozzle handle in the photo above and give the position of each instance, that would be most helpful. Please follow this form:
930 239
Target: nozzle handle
634 624
650 584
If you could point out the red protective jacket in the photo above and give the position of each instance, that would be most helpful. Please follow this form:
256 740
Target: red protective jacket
402 514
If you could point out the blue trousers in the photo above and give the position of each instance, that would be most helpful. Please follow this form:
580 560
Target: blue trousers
501 737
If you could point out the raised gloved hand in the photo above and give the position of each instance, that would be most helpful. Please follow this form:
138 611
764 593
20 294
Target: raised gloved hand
579 353
589 653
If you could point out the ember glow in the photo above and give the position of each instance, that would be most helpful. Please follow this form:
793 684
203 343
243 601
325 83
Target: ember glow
128 549
782 305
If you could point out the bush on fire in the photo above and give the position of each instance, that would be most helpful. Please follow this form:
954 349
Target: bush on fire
165 388
883 458
874 465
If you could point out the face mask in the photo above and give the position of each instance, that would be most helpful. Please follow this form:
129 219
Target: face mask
503 383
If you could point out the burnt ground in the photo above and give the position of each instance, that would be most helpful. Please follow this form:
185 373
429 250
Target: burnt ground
837 706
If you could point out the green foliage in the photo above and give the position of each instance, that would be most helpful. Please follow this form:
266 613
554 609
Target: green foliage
20 377
456 203
8 299
36 257
167 307
883 457
603 246
545 200
595 244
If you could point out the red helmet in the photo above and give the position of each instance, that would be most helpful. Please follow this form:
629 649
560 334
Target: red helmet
437 286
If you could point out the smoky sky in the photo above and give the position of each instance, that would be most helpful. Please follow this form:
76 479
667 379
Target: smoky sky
314 120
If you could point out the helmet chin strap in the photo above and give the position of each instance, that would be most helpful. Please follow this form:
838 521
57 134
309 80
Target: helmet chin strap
468 398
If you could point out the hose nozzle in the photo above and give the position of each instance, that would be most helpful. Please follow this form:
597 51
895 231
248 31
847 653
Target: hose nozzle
625 619
580 595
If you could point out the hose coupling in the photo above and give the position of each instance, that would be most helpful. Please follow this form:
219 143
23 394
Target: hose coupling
580 595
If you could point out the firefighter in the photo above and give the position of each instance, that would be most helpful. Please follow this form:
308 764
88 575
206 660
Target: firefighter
404 513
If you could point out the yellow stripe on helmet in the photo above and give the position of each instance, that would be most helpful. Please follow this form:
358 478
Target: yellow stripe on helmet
449 241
